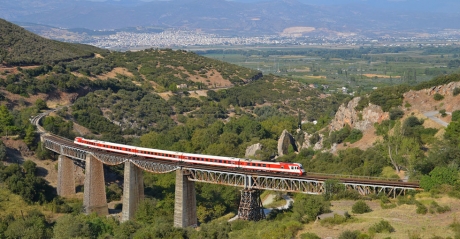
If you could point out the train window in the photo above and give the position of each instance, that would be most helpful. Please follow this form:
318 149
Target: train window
264 165
220 161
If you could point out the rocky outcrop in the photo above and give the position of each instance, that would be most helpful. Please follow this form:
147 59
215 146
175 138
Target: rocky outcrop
284 142
252 150
306 142
444 90
363 120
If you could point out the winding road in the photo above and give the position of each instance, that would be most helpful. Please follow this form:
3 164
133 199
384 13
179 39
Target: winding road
432 115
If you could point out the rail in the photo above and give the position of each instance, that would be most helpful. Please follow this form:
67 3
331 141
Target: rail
311 183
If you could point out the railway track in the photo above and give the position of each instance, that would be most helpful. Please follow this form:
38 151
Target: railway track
307 176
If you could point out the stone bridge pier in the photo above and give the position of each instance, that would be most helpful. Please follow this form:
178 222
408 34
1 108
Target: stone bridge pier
66 177
185 201
133 190
94 197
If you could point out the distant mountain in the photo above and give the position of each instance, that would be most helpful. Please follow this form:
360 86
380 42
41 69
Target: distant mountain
20 47
242 17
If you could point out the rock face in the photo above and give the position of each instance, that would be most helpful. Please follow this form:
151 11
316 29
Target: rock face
346 114
423 100
251 150
445 90
284 141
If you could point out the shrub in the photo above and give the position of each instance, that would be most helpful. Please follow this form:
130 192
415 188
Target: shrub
360 207
315 138
456 91
349 235
456 115
309 235
336 220
354 136
438 97
435 207
421 209
385 203
382 226
396 113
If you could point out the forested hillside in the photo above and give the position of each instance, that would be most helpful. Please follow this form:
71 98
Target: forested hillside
20 47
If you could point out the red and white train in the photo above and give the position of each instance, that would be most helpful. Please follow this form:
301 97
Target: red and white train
230 162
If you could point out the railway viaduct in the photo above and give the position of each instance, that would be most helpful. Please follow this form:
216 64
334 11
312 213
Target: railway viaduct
94 199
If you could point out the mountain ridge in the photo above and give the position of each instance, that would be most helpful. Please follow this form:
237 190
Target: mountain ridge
236 17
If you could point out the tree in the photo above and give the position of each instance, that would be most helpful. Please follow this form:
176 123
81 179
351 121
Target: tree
30 135
456 115
40 104
2 151
439 176
453 133
69 226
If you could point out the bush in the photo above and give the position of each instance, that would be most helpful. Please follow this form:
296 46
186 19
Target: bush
309 235
421 209
349 235
355 135
456 91
336 220
438 97
360 207
435 207
456 115
382 226
396 114
443 113
385 203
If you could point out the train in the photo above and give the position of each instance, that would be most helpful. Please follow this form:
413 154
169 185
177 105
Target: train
199 159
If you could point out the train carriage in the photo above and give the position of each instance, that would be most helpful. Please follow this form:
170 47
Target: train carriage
219 161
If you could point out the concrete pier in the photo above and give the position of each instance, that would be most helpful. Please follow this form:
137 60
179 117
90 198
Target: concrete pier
94 197
66 177
185 201
133 190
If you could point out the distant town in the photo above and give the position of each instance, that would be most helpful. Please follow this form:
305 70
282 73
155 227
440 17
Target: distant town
185 38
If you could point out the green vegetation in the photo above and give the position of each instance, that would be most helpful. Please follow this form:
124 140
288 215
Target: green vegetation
361 207
380 227
24 182
438 97
127 109
25 48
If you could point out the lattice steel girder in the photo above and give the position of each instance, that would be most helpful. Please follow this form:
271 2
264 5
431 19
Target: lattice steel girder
154 167
66 150
110 159
224 178
366 189
287 184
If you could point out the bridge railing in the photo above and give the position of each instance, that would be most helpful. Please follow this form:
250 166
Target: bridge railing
349 176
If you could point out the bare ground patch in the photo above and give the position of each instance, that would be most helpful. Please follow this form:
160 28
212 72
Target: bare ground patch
380 76
403 218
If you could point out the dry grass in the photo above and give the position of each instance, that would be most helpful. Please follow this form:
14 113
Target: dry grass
403 218
380 76
13 204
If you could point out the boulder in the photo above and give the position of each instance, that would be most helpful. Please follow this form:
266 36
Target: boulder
284 141
251 150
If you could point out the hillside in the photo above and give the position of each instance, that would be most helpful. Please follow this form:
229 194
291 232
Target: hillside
20 47
134 98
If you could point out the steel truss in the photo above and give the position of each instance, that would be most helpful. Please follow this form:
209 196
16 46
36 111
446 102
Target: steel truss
238 178
286 184
250 208
107 158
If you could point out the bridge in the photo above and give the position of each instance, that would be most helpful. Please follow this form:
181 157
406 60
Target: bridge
250 208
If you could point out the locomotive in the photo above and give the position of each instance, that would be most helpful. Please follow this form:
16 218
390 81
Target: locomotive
201 159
